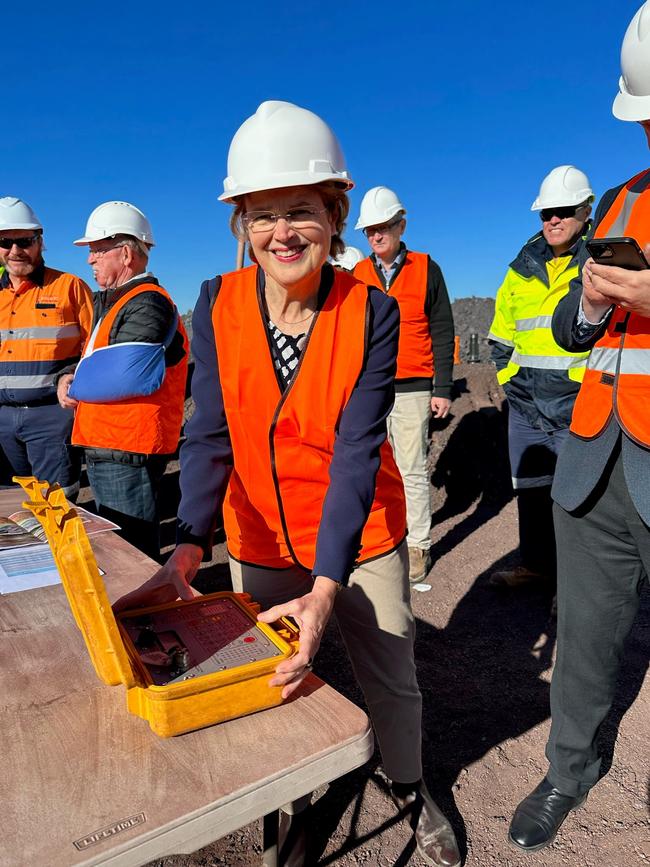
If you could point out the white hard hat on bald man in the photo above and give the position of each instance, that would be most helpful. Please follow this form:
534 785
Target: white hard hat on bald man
117 218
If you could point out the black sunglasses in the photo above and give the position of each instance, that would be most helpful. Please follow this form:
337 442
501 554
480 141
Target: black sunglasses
547 214
22 243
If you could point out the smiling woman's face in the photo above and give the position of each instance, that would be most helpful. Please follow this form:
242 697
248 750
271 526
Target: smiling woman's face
288 254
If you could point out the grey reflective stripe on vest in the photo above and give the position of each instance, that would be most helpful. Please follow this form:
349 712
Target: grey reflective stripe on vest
533 323
48 332
497 339
617 229
34 381
633 361
548 362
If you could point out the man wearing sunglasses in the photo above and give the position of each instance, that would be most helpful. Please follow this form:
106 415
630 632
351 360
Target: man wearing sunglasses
45 319
540 379
426 341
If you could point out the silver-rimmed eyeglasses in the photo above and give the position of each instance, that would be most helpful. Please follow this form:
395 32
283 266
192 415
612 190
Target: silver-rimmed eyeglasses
297 218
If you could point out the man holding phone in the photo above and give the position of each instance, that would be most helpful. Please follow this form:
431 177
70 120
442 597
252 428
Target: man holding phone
540 378
602 483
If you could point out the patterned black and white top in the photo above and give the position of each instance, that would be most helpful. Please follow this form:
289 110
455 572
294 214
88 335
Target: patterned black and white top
286 350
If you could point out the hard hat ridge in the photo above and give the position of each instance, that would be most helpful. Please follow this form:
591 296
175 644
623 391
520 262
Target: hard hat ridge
379 205
16 214
563 186
117 218
283 145
633 99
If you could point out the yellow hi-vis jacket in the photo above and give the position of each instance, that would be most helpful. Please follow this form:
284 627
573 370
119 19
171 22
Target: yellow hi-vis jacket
539 377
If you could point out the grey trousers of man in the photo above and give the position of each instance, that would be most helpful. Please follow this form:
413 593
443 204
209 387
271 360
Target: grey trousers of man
376 621
603 562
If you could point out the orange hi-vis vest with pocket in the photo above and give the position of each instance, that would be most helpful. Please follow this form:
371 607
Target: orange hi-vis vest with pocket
409 288
283 442
617 378
145 425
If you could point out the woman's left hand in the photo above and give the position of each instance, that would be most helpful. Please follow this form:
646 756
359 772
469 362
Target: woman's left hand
311 612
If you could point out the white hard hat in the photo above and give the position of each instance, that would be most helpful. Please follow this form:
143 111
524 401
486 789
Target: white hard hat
117 218
16 214
379 205
350 257
563 186
633 100
282 145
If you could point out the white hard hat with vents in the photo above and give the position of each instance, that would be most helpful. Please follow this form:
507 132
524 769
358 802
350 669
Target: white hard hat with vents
350 257
117 218
283 145
16 214
633 100
379 205
563 186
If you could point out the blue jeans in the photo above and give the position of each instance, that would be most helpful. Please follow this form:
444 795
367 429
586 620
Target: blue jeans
36 441
128 495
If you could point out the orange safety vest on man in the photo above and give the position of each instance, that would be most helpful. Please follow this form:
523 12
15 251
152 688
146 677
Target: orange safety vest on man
145 425
283 442
617 378
43 327
415 355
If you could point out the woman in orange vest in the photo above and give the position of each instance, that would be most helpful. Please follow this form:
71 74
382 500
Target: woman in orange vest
295 363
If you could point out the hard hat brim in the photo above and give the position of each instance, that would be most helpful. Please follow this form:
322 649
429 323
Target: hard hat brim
294 179
631 108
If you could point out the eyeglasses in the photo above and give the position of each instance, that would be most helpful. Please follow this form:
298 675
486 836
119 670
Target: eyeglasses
99 253
22 243
380 230
265 221
547 214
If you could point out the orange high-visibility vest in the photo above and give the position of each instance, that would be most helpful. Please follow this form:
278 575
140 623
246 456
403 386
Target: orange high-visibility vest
42 328
415 355
617 378
146 425
283 442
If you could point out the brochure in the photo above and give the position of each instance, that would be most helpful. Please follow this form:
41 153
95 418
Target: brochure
22 528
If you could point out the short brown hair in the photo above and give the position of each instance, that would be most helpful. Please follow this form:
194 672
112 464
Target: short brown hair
334 199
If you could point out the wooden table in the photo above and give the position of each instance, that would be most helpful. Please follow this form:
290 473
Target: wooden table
84 782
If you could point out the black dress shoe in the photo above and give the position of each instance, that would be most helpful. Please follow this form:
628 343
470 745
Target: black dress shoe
538 817
434 836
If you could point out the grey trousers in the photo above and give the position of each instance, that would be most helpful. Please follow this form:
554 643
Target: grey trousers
376 621
603 561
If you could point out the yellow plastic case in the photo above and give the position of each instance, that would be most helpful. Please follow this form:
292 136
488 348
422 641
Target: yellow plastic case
172 708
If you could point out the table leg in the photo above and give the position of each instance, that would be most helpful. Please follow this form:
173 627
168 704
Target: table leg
270 839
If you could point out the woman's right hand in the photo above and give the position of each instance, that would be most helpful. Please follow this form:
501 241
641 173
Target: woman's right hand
169 583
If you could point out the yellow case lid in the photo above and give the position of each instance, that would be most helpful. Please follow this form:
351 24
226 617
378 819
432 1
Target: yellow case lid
81 580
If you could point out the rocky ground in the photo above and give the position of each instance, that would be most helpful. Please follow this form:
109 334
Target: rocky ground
484 660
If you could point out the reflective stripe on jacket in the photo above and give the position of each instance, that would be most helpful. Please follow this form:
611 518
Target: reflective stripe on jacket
522 319
283 442
617 379
144 425
43 327
415 356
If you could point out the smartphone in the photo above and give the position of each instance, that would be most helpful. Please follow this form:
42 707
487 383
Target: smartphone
622 252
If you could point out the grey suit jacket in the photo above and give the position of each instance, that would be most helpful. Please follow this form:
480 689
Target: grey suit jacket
582 463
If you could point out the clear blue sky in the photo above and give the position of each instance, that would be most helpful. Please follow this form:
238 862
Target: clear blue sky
462 108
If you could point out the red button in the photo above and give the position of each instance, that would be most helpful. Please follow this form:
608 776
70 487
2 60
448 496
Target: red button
249 639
